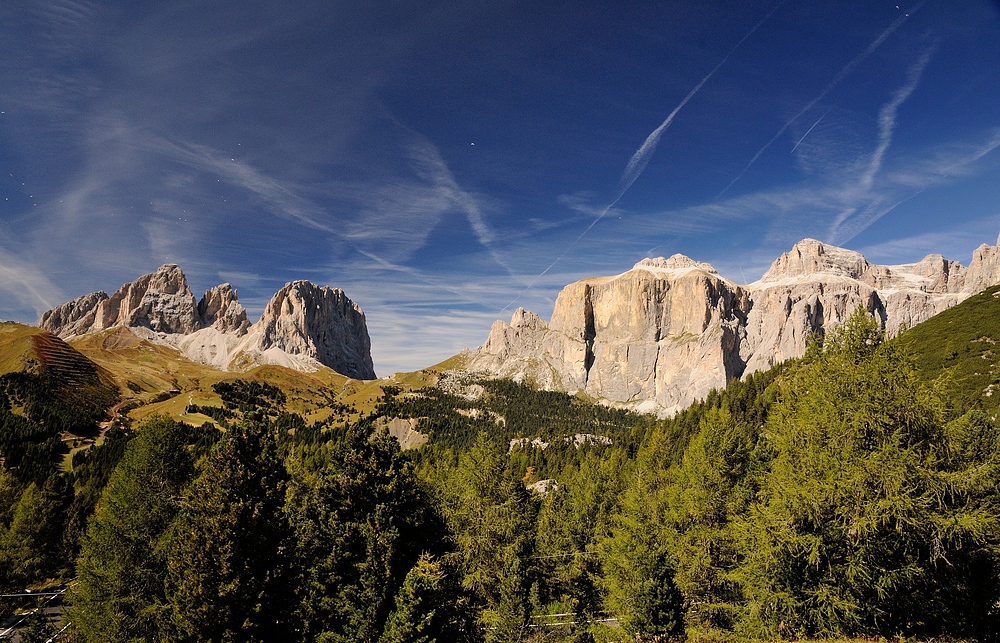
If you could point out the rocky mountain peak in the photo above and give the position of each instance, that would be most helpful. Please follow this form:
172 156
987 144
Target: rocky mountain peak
168 279
811 257
304 326
676 264
665 333
525 319
160 301
74 317
220 308
305 319
984 271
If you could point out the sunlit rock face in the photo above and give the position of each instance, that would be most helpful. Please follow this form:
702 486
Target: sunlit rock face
160 301
984 271
220 308
648 337
304 326
74 317
305 319
816 286
666 332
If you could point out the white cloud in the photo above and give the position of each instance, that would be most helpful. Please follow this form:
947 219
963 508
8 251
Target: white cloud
25 284
841 75
952 242
887 118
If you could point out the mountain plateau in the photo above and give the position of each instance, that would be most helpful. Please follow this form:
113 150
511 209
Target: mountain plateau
667 331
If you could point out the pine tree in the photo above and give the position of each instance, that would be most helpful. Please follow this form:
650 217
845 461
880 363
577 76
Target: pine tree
492 516
713 484
566 570
638 574
361 522
10 494
429 607
227 550
119 593
28 549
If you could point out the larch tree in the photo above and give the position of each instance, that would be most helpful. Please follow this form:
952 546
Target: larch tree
493 516
119 594
360 524
862 526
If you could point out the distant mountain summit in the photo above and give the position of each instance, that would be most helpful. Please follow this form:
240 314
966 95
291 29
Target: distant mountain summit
666 332
304 326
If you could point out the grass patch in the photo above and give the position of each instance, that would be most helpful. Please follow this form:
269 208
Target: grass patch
958 351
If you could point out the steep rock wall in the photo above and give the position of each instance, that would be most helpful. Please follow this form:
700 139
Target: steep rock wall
304 326
664 333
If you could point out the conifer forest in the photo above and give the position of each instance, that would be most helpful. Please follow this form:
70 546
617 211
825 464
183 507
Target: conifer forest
841 495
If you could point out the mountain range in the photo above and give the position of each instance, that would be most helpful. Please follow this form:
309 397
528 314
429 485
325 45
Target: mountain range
654 338
303 327
663 334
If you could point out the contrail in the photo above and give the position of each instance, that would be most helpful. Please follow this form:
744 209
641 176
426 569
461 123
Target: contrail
809 130
833 83
887 116
640 159
637 164
887 123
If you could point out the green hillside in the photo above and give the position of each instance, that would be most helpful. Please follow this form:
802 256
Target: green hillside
957 351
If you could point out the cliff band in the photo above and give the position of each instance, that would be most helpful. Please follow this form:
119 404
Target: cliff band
666 332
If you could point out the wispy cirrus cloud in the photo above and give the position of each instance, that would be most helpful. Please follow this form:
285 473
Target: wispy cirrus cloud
414 205
859 215
784 215
281 197
945 163
887 117
906 182
640 158
24 282
952 242
844 72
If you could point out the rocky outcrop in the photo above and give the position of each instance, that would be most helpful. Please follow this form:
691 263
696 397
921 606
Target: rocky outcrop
650 337
304 319
160 301
664 333
221 309
816 286
984 271
303 327
74 317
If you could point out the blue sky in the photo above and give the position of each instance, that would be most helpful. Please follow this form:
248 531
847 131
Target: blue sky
446 162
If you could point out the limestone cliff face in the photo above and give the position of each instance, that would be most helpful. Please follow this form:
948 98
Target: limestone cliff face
303 327
528 346
632 338
816 286
160 301
304 319
984 271
74 317
221 309
669 330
